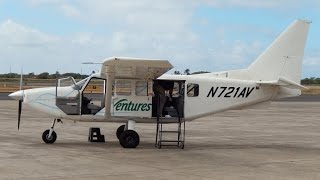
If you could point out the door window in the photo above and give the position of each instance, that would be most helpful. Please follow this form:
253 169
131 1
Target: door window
93 96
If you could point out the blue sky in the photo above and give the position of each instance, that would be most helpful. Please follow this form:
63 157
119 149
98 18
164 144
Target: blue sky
209 35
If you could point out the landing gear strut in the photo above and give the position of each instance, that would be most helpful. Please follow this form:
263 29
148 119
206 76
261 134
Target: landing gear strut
128 138
49 136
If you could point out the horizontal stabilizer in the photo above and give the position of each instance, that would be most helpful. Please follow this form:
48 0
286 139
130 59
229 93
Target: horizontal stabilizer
283 82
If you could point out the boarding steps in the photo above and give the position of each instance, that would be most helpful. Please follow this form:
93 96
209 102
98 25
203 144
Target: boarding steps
170 132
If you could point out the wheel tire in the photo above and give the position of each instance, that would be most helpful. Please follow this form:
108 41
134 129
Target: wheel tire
50 140
120 130
129 139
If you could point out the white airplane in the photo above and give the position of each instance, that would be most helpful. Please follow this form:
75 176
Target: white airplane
128 91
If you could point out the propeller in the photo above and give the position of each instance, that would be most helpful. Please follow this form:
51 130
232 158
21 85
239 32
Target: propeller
19 95
19 113
20 100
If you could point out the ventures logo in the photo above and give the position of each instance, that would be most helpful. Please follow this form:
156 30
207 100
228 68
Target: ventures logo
125 105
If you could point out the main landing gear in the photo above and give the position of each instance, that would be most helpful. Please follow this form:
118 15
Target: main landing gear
49 136
128 138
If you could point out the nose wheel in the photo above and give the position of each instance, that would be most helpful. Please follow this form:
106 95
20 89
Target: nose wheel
49 136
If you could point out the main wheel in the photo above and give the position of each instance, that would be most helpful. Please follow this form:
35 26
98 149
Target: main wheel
120 130
46 139
129 139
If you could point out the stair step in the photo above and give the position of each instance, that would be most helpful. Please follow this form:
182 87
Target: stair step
170 141
170 131
179 130
171 145
171 122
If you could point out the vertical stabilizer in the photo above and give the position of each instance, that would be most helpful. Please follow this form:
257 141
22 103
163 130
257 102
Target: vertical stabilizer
283 58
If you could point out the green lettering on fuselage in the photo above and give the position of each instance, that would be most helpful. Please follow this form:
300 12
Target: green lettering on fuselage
125 105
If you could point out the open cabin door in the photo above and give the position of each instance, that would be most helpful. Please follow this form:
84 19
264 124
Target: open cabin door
168 100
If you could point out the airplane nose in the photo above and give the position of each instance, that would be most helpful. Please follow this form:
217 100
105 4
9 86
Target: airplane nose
18 95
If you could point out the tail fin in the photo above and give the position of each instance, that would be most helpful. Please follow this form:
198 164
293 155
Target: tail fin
283 58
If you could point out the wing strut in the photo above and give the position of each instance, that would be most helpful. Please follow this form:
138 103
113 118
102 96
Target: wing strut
110 72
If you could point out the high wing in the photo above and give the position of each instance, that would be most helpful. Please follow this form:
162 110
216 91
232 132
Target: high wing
135 68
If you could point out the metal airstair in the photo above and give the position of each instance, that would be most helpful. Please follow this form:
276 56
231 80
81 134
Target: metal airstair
170 132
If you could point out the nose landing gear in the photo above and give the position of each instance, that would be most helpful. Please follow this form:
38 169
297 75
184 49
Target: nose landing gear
49 136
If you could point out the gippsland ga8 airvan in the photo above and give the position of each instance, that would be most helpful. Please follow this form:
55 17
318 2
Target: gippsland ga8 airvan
136 90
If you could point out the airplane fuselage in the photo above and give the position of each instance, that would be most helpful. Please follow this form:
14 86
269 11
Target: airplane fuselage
213 95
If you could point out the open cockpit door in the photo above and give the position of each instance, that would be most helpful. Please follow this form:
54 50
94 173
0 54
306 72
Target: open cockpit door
68 96
131 81
92 96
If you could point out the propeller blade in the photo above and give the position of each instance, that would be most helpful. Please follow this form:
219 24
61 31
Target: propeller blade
19 113
21 79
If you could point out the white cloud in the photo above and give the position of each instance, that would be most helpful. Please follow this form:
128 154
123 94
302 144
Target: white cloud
166 4
270 4
312 58
38 51
14 34
70 11
311 64
148 14
22 46
242 3
51 53
144 28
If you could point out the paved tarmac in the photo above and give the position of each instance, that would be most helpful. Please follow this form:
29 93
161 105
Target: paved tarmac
282 142
4 96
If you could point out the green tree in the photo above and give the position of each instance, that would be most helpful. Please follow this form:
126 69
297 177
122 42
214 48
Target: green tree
55 75
200 72
44 75
30 75
74 75
187 71
176 72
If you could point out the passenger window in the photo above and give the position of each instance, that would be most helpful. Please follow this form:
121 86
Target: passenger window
123 87
141 88
192 90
